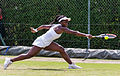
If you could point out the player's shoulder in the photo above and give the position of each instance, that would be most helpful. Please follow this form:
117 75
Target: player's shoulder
60 26
63 28
56 25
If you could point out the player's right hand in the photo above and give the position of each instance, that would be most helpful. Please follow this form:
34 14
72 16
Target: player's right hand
89 36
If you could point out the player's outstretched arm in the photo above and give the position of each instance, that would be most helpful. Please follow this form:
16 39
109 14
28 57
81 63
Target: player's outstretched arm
40 28
77 33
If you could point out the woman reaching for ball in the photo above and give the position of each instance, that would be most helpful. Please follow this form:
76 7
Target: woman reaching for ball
46 41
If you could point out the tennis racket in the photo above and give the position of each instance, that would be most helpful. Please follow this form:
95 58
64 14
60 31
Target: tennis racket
110 36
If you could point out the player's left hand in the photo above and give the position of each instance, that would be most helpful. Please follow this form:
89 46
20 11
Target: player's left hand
33 30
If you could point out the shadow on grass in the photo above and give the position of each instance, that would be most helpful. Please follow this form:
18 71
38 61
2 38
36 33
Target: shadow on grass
45 69
51 69
57 69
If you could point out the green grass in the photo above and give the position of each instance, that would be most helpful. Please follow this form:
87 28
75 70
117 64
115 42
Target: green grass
46 68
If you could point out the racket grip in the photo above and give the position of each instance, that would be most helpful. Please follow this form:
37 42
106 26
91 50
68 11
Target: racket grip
93 36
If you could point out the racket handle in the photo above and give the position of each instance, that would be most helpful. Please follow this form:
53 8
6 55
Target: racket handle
97 36
93 36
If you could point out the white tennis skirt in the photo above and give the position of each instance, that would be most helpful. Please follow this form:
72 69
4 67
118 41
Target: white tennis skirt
40 42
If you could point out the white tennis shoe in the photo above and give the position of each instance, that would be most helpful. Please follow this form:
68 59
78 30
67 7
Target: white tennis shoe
73 66
7 63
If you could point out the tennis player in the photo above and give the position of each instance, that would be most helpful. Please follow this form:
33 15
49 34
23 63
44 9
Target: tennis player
46 41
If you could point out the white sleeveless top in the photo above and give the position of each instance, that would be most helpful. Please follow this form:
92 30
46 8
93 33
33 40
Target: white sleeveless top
47 38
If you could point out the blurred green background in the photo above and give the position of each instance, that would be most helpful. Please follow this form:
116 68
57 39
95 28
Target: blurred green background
19 15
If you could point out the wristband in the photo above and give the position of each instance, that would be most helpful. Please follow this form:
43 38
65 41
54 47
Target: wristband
35 30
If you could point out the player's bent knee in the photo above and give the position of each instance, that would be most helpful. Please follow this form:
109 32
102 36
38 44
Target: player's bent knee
62 50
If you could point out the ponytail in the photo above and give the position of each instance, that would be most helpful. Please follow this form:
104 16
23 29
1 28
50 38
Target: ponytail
58 17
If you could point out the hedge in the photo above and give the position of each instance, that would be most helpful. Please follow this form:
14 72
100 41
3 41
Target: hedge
19 15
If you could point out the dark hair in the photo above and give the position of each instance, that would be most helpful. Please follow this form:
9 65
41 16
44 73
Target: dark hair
57 18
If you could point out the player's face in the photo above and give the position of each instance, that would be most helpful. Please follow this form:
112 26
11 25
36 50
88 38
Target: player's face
64 23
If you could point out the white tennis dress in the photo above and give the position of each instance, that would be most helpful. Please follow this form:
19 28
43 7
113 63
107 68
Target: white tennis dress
47 38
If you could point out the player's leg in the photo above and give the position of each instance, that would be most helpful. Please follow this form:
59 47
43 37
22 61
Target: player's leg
32 52
56 47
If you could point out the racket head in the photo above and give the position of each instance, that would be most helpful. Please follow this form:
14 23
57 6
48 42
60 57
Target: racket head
110 36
